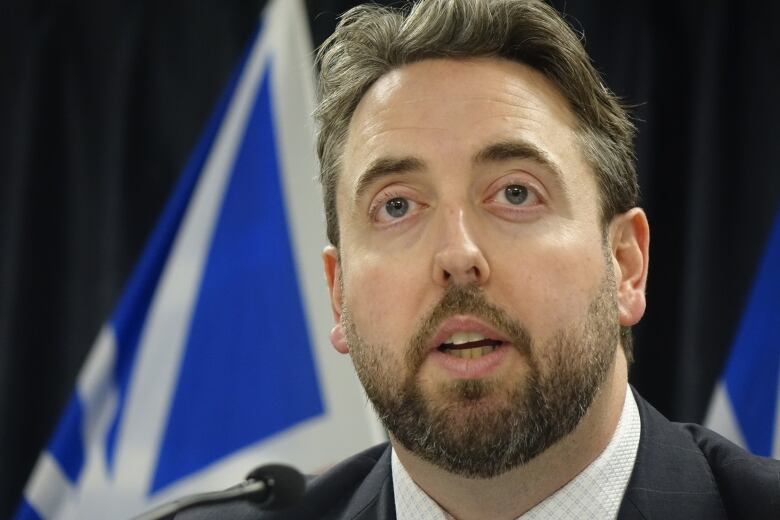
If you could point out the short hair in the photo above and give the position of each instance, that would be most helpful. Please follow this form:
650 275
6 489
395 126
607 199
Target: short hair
372 40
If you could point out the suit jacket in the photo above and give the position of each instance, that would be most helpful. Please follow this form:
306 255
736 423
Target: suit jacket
682 471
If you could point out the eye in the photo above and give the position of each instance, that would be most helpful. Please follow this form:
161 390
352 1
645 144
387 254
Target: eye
391 208
397 207
516 194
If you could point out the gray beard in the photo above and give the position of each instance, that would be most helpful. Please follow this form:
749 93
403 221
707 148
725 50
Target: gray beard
467 435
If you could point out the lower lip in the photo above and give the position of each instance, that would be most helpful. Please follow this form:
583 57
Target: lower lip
470 368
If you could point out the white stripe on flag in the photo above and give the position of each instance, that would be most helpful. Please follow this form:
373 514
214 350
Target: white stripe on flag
164 334
776 440
721 418
49 491
48 488
294 102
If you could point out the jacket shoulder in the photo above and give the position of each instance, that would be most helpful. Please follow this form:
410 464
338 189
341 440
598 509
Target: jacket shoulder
687 471
748 484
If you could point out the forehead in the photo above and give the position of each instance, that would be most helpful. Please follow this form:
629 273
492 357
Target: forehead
430 94
442 113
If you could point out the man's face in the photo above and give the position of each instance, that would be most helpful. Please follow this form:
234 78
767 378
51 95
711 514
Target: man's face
474 285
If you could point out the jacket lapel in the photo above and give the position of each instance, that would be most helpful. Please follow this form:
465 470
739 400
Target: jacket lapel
374 498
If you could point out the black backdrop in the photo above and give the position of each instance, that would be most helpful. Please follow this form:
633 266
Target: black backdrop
101 101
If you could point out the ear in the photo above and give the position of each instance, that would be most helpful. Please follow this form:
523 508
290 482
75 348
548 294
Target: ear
629 239
332 265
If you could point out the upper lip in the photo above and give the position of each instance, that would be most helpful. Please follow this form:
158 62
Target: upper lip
464 324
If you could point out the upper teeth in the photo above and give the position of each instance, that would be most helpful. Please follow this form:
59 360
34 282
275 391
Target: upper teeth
460 338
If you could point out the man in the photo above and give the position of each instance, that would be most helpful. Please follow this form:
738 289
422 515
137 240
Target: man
487 261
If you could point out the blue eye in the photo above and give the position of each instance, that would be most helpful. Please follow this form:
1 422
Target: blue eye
397 207
516 194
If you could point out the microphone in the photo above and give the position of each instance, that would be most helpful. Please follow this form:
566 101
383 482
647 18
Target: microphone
271 487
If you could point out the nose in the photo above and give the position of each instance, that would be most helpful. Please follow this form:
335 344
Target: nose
459 260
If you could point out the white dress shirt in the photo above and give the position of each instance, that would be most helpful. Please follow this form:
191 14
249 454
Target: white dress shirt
595 493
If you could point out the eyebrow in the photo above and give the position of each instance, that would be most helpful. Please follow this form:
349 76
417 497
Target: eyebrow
384 167
508 150
497 152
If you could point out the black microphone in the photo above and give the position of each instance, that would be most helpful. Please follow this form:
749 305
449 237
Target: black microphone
271 487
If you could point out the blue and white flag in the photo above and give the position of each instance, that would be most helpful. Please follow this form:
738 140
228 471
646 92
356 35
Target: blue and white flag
216 358
746 407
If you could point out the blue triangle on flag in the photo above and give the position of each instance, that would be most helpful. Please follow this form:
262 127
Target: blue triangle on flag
248 369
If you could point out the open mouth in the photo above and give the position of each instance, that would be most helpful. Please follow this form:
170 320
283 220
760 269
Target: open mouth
469 345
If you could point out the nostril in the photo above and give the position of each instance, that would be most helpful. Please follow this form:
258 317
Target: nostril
456 265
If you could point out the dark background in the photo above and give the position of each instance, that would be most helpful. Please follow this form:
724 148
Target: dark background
102 100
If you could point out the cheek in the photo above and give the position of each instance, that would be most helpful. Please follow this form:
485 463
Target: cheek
383 297
550 283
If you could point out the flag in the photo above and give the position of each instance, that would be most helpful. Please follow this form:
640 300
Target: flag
745 406
216 357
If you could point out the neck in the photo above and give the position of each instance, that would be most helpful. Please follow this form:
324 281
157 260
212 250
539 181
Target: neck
511 494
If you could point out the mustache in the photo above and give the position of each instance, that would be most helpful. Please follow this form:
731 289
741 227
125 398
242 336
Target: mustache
471 300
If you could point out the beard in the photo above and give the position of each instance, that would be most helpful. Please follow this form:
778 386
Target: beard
483 428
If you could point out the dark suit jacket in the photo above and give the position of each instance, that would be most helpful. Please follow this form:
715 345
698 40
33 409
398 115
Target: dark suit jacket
682 471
